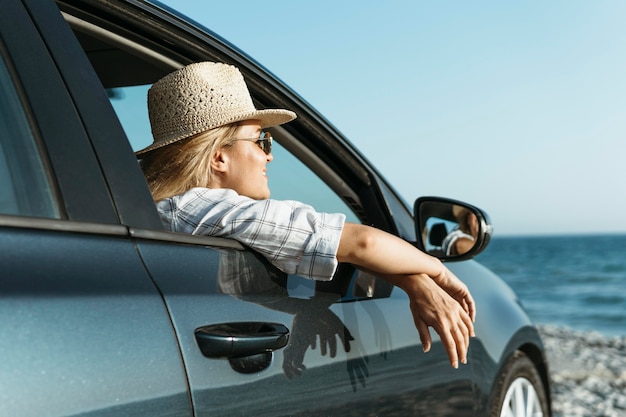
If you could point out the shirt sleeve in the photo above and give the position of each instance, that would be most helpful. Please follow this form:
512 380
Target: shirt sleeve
451 238
291 235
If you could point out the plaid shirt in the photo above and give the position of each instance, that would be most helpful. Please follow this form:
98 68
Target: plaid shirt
291 235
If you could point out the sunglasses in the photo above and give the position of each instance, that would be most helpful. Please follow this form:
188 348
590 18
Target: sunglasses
264 142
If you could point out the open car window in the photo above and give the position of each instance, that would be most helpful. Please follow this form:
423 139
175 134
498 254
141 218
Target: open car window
290 178
127 62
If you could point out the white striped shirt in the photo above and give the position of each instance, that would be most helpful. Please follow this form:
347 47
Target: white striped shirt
291 235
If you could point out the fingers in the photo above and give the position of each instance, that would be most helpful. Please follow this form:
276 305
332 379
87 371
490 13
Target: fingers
463 332
462 339
451 349
333 346
346 338
456 339
470 306
313 343
422 329
468 320
454 330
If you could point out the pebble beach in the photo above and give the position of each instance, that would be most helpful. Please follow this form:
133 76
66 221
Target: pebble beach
588 372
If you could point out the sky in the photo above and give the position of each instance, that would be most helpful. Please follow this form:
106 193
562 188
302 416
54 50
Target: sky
516 107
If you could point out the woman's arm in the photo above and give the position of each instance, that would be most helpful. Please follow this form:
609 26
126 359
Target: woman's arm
431 287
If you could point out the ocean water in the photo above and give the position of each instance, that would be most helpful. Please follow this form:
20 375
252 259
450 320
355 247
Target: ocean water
573 281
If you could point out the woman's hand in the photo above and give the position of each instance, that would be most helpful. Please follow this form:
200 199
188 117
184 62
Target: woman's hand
431 306
451 284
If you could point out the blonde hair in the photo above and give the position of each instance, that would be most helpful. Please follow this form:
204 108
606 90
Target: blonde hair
176 168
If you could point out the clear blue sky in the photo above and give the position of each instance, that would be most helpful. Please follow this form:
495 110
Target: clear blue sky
517 107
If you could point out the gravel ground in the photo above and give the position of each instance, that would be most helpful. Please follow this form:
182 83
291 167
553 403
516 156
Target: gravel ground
588 372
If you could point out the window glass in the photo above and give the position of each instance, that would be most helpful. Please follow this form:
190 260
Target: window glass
289 178
24 185
403 219
131 106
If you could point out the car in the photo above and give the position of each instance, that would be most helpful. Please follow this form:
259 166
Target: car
104 313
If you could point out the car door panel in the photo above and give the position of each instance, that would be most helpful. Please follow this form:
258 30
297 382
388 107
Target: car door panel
84 331
344 355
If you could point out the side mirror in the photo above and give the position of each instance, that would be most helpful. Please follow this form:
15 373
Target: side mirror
450 230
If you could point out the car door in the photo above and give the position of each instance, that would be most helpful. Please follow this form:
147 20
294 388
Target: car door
83 329
352 346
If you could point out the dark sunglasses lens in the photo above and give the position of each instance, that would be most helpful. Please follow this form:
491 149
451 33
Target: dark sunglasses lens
265 144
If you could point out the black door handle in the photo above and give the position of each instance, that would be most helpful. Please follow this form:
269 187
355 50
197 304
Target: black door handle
236 340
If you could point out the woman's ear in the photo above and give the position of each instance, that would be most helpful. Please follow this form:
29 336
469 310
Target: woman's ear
220 160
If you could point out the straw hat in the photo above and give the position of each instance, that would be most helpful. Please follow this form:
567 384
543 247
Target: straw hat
200 97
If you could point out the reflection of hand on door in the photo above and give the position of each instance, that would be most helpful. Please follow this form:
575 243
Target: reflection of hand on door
313 321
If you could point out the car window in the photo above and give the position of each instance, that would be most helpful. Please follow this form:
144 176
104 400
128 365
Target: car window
290 179
25 188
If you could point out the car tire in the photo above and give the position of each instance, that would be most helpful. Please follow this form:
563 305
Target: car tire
520 391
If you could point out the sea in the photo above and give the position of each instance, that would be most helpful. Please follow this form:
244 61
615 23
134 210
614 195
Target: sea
574 281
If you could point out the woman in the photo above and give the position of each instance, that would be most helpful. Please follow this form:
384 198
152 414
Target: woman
207 173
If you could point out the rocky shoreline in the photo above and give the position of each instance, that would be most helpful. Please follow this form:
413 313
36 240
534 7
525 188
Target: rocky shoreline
588 372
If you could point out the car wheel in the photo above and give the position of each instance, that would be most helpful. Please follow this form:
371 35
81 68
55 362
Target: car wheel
519 391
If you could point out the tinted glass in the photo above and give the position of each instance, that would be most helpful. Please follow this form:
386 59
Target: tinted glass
24 185
131 106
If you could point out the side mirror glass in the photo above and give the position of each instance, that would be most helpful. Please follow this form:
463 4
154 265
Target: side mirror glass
450 230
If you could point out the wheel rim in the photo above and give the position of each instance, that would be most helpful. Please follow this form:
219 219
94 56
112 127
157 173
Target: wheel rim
521 400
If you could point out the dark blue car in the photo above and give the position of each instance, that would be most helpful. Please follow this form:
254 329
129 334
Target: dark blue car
103 313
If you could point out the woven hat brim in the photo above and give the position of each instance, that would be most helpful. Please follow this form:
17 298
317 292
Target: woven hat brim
267 118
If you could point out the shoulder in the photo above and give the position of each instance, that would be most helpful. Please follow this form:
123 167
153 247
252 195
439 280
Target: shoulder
200 204
185 212
206 194
199 196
